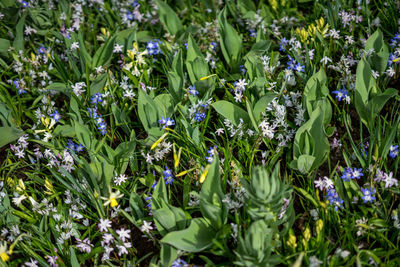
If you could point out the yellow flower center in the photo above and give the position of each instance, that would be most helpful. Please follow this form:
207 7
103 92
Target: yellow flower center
113 203
4 256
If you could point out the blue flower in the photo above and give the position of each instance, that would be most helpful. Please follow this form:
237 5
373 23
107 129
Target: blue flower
166 122
213 46
242 69
97 98
79 148
357 173
364 149
93 113
334 199
179 263
341 94
42 50
130 16
102 127
347 174
199 116
394 151
168 177
211 152
25 4
282 46
55 115
193 91
253 33
368 194
153 47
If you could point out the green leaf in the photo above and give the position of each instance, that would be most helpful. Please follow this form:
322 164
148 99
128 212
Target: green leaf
9 134
4 45
169 18
231 112
104 53
74 259
18 43
380 57
197 237
83 134
148 111
261 106
97 86
230 40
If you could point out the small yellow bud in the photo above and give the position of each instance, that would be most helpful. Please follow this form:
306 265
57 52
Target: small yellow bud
307 234
204 174
320 225
206 77
113 202
182 173
158 141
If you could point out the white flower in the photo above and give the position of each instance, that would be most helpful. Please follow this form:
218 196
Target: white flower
118 48
118 180
18 200
123 234
219 131
267 130
74 46
146 227
104 224
325 60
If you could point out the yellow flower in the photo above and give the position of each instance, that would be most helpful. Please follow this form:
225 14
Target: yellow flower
3 252
302 33
291 242
323 30
112 199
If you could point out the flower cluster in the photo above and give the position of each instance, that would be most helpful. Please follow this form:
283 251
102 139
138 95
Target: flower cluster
168 177
153 47
211 152
351 173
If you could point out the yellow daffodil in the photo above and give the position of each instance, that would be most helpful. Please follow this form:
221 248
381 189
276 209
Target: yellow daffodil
3 252
112 199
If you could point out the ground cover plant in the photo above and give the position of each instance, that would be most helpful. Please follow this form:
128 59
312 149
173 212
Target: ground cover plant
199 133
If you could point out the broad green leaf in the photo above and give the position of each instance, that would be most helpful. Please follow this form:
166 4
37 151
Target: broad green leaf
104 53
261 106
381 55
231 112
197 237
230 40
18 43
148 111
97 86
169 18
9 134
4 45
83 134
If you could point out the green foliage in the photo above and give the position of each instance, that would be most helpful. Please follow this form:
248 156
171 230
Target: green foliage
311 146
